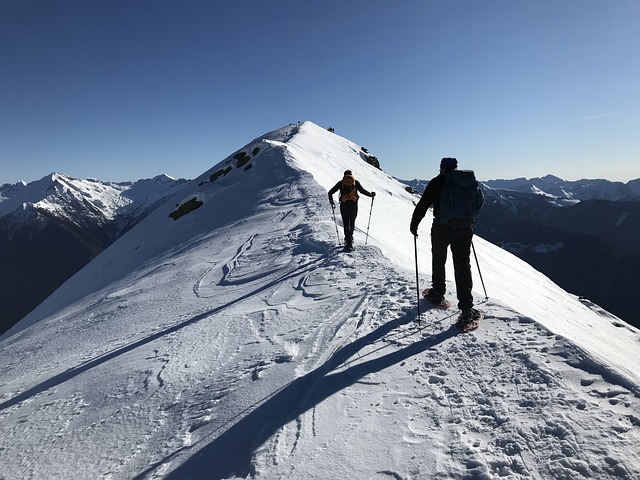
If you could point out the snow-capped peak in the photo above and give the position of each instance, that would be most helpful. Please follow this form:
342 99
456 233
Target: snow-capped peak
62 195
574 191
227 336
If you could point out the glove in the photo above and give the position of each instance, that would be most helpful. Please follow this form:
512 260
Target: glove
414 231
333 205
373 194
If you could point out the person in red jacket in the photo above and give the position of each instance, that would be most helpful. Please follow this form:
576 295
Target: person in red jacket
349 188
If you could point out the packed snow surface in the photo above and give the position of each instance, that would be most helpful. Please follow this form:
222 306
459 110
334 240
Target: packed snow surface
240 341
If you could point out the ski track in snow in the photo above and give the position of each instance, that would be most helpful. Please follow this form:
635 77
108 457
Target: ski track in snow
491 422
272 354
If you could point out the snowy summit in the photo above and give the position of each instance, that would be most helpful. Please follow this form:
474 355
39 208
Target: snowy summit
228 335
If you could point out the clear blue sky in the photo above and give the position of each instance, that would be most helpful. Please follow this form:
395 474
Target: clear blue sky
122 90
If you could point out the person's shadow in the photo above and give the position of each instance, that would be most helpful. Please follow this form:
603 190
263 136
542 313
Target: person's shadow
230 453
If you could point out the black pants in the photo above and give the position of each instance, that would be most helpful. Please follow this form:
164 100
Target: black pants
349 212
459 239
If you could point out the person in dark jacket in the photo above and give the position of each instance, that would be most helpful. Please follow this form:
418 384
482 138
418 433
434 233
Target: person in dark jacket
443 236
349 188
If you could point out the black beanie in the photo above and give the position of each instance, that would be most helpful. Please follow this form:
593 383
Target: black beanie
449 163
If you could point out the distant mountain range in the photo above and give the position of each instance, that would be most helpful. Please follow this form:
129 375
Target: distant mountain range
52 227
558 191
582 234
567 192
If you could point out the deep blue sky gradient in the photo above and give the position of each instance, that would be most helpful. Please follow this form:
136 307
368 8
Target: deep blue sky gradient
121 90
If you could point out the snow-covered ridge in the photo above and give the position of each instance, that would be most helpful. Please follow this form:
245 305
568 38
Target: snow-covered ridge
239 341
284 156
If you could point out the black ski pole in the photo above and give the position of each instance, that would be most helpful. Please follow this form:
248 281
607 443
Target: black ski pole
369 223
415 244
486 297
335 222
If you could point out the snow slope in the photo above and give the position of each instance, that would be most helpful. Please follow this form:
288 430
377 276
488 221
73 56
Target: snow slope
240 341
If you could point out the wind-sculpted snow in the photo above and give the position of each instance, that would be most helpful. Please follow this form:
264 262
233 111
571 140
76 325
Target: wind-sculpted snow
247 344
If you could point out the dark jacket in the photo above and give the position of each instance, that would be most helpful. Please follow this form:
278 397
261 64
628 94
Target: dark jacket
430 196
338 186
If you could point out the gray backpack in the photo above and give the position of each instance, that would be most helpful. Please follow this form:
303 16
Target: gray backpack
461 199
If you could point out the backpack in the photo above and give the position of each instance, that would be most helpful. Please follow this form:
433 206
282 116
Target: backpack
461 199
348 190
